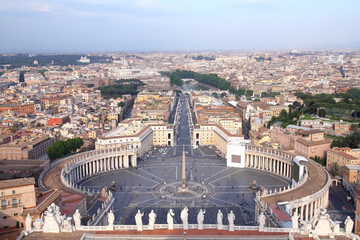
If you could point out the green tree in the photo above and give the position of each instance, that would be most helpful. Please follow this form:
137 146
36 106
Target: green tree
264 94
249 93
321 112
241 91
63 148
121 104
273 94
299 94
354 127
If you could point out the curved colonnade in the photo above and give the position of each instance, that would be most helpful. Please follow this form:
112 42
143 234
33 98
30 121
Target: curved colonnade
88 164
301 199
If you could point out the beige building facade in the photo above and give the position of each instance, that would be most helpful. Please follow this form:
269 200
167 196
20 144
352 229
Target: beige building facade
342 156
144 137
15 196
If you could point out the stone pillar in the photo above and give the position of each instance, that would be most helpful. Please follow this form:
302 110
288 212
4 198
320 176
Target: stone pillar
311 209
287 170
273 165
116 162
121 161
302 212
267 163
134 160
290 171
306 212
82 171
74 174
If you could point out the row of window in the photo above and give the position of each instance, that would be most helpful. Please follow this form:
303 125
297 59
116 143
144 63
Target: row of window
13 202
5 217
3 193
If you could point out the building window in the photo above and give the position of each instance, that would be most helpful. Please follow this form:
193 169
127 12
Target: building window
4 217
2 194
14 202
3 202
15 214
13 191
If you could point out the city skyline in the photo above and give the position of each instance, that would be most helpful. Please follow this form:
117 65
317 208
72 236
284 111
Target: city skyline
157 25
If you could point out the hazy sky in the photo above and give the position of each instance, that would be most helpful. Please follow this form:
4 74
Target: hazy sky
153 25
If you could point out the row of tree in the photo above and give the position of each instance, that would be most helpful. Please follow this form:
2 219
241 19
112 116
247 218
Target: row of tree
210 79
325 103
63 148
351 141
128 86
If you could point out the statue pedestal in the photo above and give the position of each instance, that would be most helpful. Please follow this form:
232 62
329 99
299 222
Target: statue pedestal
51 224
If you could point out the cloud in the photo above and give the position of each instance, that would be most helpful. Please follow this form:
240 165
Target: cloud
43 8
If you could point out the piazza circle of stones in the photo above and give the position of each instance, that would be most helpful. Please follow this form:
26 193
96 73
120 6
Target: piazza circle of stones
195 191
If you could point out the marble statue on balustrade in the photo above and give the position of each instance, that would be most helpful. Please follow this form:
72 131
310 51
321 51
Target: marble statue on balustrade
349 224
66 225
295 221
261 220
200 219
28 222
111 219
38 223
170 219
52 219
77 218
184 217
152 217
323 225
231 219
138 220
220 220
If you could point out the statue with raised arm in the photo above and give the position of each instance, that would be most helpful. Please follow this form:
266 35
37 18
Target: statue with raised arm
138 220
231 219
184 217
200 219
152 217
219 220
349 224
170 219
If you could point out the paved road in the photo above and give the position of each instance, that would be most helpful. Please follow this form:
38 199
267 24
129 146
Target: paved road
337 202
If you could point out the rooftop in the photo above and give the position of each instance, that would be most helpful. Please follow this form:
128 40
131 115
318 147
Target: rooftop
17 182
317 179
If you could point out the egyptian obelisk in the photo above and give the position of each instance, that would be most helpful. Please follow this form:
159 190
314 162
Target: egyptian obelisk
183 184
